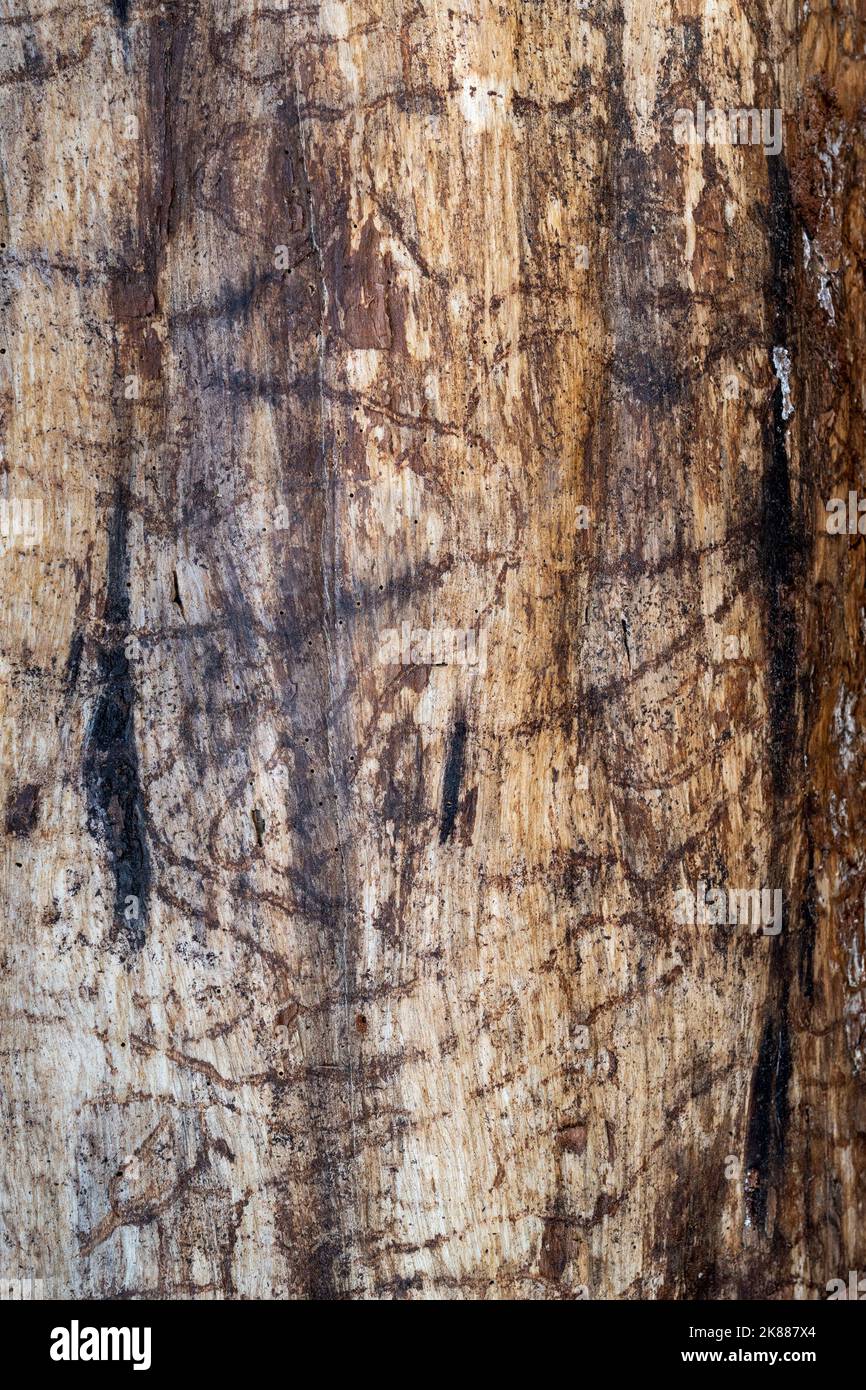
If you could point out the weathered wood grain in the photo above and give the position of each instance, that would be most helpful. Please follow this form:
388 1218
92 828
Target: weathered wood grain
327 973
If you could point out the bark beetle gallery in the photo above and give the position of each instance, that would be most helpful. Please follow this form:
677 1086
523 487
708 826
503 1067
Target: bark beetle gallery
343 345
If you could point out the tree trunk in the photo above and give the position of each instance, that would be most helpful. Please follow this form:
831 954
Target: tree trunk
432 585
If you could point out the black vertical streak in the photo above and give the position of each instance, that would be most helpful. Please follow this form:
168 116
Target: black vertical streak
453 779
768 1116
111 778
808 932
73 661
120 10
779 544
780 547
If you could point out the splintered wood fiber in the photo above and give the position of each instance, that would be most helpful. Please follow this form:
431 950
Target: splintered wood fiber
432 648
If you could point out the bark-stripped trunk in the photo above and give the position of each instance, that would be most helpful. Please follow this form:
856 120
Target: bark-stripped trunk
332 966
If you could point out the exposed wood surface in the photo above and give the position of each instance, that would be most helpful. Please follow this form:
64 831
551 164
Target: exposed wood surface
322 973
